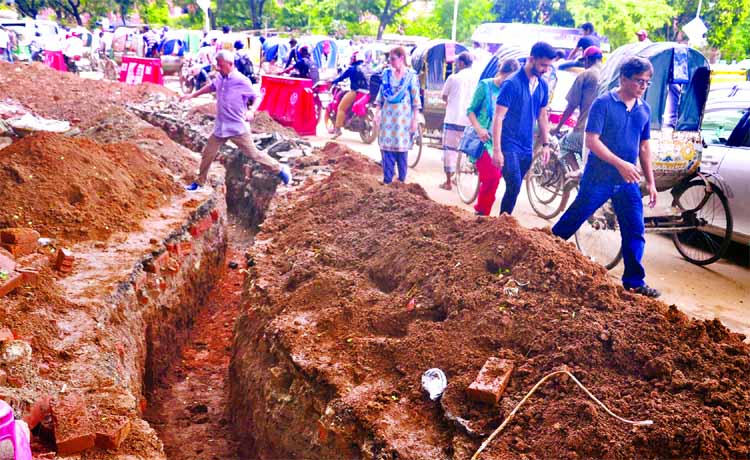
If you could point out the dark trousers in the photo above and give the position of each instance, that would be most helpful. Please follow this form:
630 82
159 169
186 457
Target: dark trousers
628 206
390 160
515 166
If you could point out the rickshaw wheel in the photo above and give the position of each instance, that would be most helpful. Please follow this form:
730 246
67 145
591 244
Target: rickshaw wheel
110 69
599 237
467 179
545 186
329 119
369 135
415 153
709 211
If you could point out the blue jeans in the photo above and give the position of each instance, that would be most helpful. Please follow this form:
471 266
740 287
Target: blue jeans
391 159
515 166
628 206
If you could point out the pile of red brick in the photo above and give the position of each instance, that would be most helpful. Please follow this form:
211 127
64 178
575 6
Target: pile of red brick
20 262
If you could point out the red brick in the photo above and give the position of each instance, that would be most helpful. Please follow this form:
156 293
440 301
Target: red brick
195 230
174 248
74 431
111 431
157 263
14 281
7 262
490 384
215 215
3 377
6 335
38 411
172 267
30 276
64 260
21 249
15 381
19 235
186 247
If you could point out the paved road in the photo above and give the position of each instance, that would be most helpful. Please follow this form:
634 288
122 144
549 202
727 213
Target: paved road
719 290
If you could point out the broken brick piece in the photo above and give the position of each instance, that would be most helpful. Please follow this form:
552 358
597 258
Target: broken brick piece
185 247
15 280
215 215
64 260
173 248
74 431
20 249
30 275
112 431
157 263
490 384
6 335
19 235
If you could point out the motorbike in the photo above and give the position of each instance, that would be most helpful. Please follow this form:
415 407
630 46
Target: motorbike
72 63
360 118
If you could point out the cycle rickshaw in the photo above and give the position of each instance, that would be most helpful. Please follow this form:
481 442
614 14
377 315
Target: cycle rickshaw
434 62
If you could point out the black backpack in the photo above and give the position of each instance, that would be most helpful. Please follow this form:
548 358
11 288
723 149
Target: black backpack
245 66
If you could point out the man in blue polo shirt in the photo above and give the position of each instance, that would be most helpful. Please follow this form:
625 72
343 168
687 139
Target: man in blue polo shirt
618 133
523 99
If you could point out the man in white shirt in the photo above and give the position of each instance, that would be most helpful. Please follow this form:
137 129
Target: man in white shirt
4 44
457 94
72 51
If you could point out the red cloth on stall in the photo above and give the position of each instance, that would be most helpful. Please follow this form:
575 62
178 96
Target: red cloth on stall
290 102
136 70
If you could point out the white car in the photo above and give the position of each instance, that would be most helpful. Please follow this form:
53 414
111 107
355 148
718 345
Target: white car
726 132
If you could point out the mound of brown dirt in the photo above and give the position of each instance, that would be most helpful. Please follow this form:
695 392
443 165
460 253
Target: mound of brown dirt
64 96
75 189
263 123
359 288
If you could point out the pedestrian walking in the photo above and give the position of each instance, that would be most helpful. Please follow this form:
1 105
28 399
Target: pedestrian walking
580 97
523 99
480 115
397 112
618 133
457 93
233 91
5 54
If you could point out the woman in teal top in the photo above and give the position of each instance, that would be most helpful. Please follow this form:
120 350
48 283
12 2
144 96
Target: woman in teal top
480 114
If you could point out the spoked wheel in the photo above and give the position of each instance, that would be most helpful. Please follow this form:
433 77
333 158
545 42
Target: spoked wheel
599 237
370 133
111 71
415 153
545 186
467 179
708 210
329 119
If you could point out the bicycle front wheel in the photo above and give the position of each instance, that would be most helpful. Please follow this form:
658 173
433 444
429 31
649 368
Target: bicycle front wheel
545 186
708 210
599 237
415 153
467 179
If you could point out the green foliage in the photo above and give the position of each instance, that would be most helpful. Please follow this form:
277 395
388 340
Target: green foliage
619 20
737 47
721 18
439 22
553 12
155 13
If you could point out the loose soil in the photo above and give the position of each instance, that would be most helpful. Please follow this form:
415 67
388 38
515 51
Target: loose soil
65 96
189 407
262 123
74 189
359 288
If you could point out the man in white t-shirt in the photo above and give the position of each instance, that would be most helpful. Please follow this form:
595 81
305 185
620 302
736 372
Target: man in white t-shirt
4 44
457 94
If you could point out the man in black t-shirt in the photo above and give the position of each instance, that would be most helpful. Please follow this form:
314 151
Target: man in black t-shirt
589 39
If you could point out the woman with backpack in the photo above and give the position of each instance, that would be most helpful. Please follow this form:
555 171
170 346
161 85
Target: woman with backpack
398 105
480 113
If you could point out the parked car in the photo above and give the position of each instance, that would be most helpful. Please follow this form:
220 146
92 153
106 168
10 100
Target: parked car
726 131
